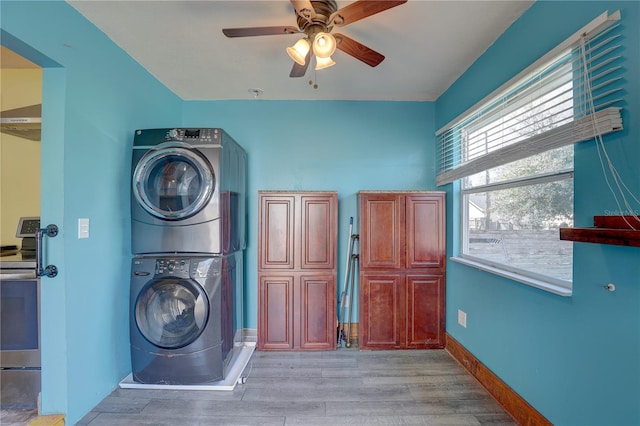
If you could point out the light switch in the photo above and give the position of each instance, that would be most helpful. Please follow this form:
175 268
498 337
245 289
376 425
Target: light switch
83 228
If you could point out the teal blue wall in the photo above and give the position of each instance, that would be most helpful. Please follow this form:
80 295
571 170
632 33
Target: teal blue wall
575 359
323 145
94 96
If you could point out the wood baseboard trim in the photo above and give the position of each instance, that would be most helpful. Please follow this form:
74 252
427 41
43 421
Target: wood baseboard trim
353 330
522 412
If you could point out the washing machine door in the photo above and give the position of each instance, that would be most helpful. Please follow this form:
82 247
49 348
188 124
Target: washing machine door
173 181
171 312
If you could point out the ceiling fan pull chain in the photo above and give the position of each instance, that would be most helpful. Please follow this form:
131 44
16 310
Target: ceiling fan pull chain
315 76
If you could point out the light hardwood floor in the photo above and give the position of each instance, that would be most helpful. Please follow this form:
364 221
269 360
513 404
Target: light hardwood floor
342 387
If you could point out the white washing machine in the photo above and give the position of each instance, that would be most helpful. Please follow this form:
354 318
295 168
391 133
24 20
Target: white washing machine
184 319
188 192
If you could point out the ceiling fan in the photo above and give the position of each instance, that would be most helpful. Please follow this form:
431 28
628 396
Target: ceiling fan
316 19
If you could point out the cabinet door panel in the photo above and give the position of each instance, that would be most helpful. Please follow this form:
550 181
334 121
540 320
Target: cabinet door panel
425 231
425 311
381 310
275 327
317 312
319 227
381 231
277 233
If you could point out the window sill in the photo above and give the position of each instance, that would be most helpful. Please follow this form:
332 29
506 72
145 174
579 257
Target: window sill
542 285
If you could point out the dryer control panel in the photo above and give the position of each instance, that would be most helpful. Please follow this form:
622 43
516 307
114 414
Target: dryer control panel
172 266
208 267
193 135
188 267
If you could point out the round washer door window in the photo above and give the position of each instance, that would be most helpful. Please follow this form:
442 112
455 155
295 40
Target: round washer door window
173 182
171 312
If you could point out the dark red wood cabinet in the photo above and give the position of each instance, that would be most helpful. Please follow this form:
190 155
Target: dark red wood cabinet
402 269
297 249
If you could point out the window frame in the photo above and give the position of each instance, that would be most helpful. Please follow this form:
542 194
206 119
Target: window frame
542 281
449 158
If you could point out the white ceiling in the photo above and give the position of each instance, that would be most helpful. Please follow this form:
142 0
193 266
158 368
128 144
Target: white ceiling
428 45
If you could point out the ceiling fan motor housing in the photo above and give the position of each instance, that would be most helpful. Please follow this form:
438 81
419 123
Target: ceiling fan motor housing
319 23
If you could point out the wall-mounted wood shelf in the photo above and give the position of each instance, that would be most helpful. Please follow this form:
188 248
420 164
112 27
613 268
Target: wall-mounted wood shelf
606 230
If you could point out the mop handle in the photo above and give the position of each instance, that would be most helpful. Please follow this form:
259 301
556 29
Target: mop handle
348 262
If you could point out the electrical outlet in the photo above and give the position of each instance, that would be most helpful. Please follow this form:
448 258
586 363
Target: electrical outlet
462 318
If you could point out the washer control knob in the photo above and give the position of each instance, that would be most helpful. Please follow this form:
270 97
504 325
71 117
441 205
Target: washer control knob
171 266
173 133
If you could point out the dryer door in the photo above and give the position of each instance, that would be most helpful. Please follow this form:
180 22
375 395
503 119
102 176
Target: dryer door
173 181
171 312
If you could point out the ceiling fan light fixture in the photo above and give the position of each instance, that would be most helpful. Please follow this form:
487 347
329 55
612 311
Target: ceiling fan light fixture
324 44
298 52
322 63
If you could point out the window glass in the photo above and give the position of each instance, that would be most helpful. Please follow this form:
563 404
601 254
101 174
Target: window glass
174 184
517 227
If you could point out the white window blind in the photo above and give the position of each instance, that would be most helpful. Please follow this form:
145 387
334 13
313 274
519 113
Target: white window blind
571 94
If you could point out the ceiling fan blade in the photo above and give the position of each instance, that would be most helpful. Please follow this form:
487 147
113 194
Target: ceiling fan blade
304 8
300 70
259 31
361 9
358 50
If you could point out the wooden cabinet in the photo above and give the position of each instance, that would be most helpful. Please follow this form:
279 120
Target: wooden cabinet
402 269
297 273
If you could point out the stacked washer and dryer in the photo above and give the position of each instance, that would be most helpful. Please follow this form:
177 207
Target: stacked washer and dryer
188 236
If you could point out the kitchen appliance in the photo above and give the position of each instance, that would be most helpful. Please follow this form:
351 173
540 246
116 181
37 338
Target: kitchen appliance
188 192
20 364
185 314
27 229
24 122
